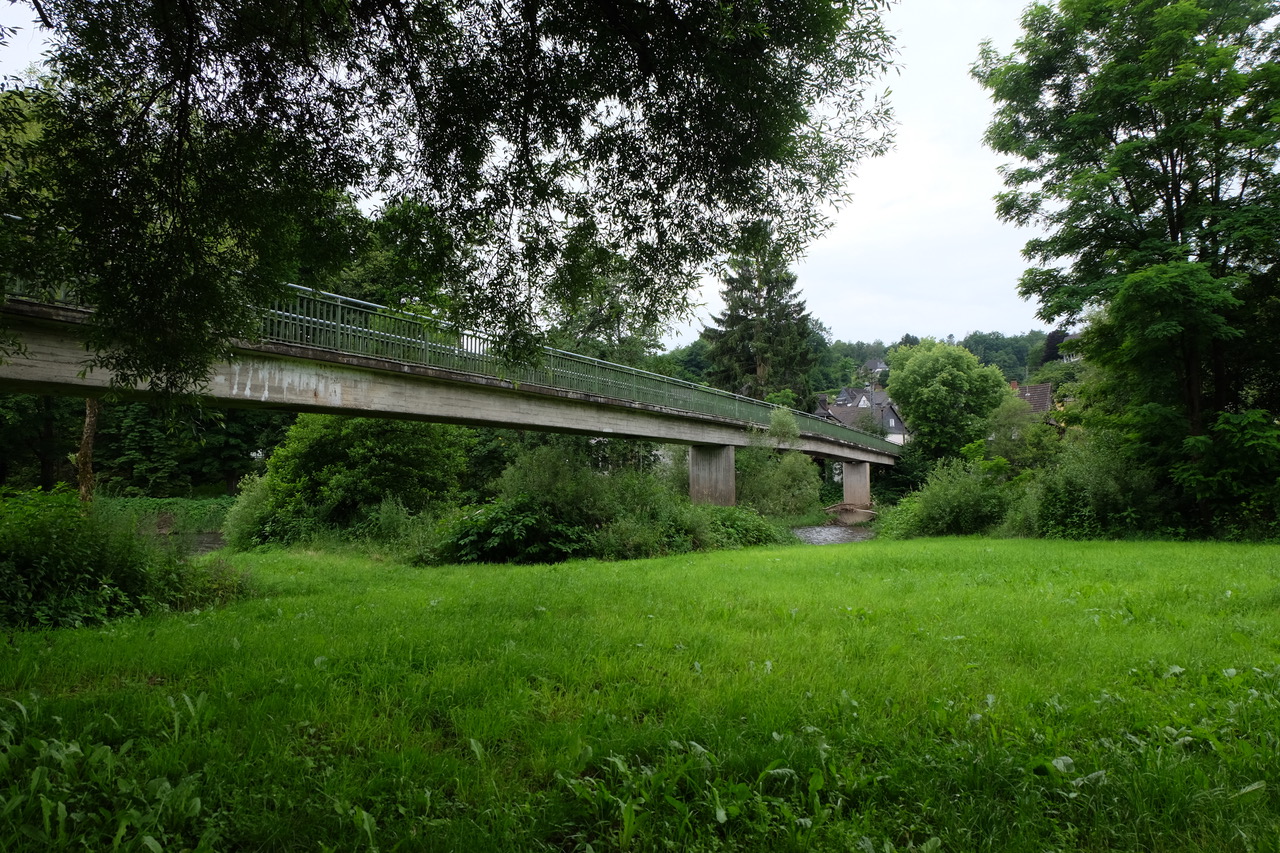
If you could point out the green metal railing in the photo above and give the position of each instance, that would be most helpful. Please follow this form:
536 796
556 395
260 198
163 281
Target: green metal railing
327 321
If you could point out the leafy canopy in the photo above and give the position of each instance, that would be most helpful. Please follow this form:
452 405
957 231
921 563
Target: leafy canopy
1149 152
191 156
1146 135
945 395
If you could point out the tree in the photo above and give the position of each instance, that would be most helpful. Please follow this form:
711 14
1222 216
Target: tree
1150 149
193 156
762 342
945 395
1016 355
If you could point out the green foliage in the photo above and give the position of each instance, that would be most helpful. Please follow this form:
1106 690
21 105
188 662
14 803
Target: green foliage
1234 472
1019 435
890 483
165 515
247 523
1148 145
59 566
140 452
900 520
38 434
1095 489
89 793
64 564
1017 356
786 398
334 473
944 394
690 362
187 164
553 504
761 343
512 530
1157 334
777 485
783 426
960 498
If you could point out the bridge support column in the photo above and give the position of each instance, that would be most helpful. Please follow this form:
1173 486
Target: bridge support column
857 491
711 475
857 484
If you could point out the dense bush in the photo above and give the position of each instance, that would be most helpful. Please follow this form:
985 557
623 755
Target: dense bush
1233 475
780 485
1091 487
960 498
334 473
62 565
552 505
1094 489
511 530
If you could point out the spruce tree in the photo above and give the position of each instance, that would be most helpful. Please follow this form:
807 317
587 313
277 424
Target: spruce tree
762 342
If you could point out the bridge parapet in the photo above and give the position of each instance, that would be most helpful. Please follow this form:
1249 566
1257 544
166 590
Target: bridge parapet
327 321
316 320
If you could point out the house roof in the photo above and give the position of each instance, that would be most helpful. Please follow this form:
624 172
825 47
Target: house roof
853 404
1039 396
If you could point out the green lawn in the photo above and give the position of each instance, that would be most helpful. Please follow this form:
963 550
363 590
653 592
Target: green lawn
942 694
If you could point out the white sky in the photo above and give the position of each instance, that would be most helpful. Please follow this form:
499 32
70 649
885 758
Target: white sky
919 249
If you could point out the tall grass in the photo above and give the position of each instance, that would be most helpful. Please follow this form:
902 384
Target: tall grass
937 694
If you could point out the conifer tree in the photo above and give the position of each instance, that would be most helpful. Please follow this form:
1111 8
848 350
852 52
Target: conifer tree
761 343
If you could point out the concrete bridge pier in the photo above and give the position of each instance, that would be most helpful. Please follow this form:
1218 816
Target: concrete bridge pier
711 475
856 506
857 484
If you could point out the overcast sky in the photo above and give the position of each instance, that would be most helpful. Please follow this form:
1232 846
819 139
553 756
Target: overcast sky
919 249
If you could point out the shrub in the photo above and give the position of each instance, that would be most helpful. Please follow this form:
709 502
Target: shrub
900 521
1093 490
335 473
736 527
64 565
780 485
517 530
961 498
552 505
247 522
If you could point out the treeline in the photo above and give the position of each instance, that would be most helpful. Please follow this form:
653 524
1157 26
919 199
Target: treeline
839 364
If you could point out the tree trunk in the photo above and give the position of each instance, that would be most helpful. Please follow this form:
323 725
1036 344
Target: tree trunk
84 459
47 445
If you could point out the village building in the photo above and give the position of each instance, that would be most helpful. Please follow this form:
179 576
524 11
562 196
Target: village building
868 409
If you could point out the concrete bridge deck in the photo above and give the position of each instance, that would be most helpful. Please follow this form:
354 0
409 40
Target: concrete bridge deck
443 386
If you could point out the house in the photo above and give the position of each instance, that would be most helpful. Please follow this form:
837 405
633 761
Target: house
1040 397
874 372
861 408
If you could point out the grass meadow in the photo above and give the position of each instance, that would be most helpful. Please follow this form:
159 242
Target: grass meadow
938 694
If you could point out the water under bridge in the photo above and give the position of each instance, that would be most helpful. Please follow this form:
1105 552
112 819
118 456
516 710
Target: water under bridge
319 352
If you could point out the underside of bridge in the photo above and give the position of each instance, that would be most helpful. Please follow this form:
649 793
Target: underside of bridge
299 378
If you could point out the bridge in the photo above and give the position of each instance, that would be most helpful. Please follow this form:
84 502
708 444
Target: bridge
320 352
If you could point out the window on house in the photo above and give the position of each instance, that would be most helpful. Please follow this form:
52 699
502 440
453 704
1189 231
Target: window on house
892 422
